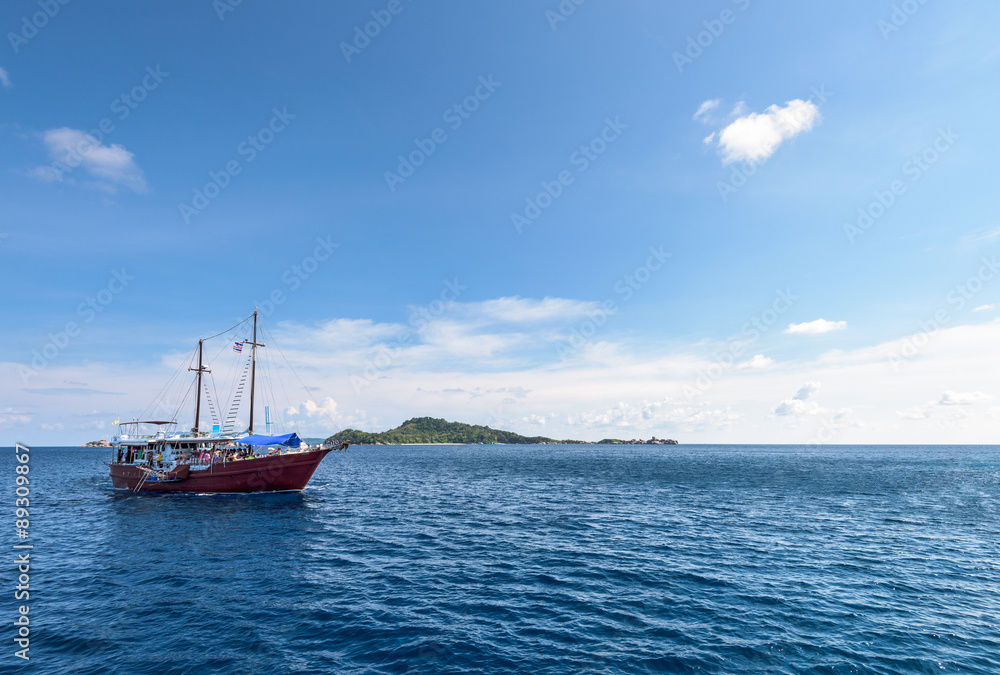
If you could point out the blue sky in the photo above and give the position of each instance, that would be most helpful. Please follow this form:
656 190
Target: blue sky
742 161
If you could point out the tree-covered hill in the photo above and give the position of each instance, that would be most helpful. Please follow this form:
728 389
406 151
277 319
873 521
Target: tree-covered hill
433 430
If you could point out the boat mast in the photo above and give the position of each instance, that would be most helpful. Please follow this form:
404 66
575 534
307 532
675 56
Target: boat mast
197 405
253 365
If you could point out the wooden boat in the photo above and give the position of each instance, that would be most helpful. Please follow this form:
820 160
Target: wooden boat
216 461
285 472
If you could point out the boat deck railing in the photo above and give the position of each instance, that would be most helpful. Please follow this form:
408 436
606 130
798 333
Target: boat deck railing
202 460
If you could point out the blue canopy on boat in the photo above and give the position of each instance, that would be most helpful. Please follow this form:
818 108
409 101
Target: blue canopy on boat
256 439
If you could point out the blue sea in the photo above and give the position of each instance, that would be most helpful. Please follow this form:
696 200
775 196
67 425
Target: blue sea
523 559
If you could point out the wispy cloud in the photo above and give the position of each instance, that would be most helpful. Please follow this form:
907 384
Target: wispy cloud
625 417
705 108
815 327
983 236
58 391
757 136
5 79
950 409
963 398
526 310
112 165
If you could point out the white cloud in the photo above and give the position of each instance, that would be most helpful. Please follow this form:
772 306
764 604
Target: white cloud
807 390
799 404
958 398
616 388
328 407
795 408
815 327
934 413
758 362
915 413
948 410
111 165
11 416
656 417
757 136
5 79
705 108
983 308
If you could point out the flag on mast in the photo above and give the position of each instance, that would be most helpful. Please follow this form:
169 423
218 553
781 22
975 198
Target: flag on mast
238 347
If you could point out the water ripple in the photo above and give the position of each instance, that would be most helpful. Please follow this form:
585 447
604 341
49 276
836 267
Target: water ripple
555 559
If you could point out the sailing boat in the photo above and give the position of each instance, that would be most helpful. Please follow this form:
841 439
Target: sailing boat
216 461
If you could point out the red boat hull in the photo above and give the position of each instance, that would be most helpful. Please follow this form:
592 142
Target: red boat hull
279 473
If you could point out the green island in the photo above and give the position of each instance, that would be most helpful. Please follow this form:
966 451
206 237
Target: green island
427 430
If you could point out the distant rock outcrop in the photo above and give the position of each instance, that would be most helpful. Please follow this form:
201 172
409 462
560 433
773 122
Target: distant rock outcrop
638 441
96 444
